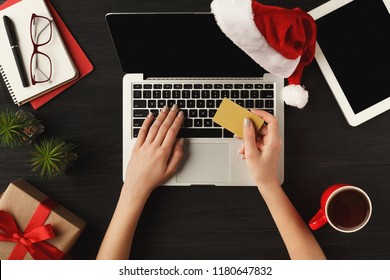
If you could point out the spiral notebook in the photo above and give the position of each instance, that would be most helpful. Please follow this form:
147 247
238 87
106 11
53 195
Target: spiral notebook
63 67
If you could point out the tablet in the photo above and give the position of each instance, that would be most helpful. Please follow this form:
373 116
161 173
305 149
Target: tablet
353 53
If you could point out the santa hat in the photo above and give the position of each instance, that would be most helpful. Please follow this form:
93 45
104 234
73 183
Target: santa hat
282 41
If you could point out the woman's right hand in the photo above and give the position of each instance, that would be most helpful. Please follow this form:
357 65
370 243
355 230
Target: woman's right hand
261 151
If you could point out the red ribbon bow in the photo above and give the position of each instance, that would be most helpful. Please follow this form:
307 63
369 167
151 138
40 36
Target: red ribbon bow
33 238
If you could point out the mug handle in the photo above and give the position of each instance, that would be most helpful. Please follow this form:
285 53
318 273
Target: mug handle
318 220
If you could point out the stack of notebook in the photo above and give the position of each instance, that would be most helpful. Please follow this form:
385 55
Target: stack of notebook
68 61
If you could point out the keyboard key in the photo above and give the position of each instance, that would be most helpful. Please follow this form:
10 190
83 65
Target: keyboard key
225 94
267 94
187 86
198 122
185 112
193 113
152 103
138 122
240 102
235 94
157 86
140 113
195 94
167 86
208 86
238 86
244 94
177 86
210 103
137 86
227 134
249 103
212 113
200 133
176 94
208 123
215 94
200 103
137 94
188 123
205 94
203 113
147 94
166 94
156 93
147 86
259 104
254 94
248 86
139 103
227 86
218 86
185 94
181 103
259 86
269 104
190 103
269 86
135 132
161 103
198 86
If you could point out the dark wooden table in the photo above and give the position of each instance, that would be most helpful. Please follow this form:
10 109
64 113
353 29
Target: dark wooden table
203 222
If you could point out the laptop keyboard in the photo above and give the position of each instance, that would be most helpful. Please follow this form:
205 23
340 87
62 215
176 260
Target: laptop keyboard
199 102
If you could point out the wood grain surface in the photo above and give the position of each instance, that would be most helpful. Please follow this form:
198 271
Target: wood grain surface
321 149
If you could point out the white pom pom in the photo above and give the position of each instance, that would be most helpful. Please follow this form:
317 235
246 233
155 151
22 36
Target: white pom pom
295 95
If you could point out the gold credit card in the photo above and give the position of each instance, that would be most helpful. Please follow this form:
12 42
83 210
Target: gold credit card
231 116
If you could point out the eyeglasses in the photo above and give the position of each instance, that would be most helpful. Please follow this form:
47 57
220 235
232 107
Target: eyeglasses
41 32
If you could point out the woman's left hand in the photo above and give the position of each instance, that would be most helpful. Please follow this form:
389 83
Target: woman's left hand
157 153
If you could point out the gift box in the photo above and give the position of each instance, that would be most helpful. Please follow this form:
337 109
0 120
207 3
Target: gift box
33 226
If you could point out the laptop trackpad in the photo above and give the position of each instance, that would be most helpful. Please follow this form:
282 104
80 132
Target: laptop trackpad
205 164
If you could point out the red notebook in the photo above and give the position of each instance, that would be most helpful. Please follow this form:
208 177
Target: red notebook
80 59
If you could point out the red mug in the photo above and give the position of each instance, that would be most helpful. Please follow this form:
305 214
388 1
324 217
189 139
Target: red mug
346 208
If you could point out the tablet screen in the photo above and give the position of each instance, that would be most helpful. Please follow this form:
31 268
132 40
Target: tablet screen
354 40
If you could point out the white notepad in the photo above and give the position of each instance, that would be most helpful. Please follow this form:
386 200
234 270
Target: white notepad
63 68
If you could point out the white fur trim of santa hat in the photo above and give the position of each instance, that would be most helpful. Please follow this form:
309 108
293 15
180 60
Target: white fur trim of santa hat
235 18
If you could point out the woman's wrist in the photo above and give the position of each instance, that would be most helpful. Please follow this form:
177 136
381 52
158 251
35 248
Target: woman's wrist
270 186
134 193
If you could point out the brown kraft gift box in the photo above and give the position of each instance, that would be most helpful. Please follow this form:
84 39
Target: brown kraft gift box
21 200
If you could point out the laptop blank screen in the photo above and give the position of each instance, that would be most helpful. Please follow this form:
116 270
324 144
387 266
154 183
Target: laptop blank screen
177 45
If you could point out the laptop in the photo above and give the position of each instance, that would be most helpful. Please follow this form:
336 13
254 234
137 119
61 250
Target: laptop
195 69
353 54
